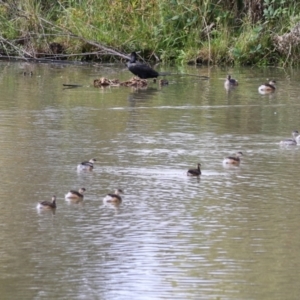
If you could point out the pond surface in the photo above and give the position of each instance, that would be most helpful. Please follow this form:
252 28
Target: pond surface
233 233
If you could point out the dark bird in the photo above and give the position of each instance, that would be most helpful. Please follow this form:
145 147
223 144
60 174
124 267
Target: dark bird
47 204
142 70
86 165
230 82
194 172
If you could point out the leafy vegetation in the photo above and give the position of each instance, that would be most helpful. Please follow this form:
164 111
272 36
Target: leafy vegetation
199 31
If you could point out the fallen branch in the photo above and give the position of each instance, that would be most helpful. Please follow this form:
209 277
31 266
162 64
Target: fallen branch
107 50
16 48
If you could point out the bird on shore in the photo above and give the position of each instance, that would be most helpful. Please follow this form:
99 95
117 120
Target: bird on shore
114 197
230 82
234 160
292 141
47 204
76 195
142 70
267 87
194 172
86 165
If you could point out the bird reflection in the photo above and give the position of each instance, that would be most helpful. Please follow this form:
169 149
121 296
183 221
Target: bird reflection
113 206
44 211
141 95
229 89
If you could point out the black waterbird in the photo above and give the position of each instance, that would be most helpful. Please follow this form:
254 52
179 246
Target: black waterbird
140 69
194 172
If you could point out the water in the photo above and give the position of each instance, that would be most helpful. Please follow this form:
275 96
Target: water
232 234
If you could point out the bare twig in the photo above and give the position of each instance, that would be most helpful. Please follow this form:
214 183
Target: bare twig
17 49
103 50
107 50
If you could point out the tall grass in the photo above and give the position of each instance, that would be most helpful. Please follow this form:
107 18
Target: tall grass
201 31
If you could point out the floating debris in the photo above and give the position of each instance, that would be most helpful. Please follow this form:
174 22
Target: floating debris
133 82
103 82
69 85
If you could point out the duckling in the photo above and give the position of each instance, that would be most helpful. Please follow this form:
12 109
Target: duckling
47 204
115 197
230 82
234 160
86 165
267 87
292 141
194 172
75 195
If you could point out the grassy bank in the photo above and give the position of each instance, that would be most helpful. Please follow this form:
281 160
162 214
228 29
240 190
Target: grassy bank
260 32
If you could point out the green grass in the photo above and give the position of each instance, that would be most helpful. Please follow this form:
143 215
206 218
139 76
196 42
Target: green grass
174 30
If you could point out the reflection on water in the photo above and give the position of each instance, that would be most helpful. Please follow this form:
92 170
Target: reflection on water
141 95
230 233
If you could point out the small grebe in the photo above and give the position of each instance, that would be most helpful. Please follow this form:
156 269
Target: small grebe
234 160
267 87
47 204
86 165
115 197
292 141
230 82
194 172
75 195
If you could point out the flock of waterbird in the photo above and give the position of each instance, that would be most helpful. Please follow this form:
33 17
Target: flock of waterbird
115 198
233 160
145 72
236 159
77 196
268 87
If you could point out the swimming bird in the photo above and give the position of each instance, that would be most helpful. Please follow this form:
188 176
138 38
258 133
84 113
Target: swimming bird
292 141
47 204
234 160
163 82
114 197
140 69
194 172
78 195
230 82
267 87
86 165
